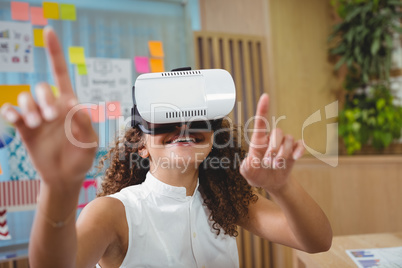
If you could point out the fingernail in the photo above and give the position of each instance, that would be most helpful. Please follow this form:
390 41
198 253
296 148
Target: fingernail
33 120
10 116
23 101
72 102
47 28
49 113
297 155
267 161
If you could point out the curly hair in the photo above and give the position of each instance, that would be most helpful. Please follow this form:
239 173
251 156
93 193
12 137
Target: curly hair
226 193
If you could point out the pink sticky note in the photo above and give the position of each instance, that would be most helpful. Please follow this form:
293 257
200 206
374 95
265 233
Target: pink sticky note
113 110
97 113
19 10
141 64
37 17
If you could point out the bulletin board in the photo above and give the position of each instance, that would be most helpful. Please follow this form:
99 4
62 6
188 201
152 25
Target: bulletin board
115 39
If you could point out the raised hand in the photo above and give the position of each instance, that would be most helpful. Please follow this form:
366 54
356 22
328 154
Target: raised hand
44 128
270 157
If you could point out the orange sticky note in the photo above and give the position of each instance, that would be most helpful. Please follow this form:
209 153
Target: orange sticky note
1 171
19 11
113 109
38 38
97 113
156 49
67 12
9 93
51 10
37 17
157 65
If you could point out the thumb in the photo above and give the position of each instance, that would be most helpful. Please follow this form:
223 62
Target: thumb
78 126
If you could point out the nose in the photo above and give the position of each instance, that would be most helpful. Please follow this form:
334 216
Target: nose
183 128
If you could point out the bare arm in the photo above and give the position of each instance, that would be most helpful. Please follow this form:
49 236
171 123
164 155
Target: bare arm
62 166
298 223
295 219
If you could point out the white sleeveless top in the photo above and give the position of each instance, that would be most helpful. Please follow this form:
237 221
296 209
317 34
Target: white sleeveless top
169 229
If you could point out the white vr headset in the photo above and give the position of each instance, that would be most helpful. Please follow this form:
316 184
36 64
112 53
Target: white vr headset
183 96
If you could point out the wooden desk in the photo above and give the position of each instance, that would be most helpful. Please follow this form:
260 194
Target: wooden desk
337 257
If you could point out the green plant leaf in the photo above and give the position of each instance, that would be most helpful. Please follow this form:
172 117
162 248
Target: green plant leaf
340 63
375 46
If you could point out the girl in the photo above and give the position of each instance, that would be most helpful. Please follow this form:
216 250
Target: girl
177 215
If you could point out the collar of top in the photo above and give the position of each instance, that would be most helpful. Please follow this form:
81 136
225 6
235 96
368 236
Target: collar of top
157 186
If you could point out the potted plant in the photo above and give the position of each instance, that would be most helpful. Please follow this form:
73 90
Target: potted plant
363 42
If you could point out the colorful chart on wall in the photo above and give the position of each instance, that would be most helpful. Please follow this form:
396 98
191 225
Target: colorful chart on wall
16 47
7 133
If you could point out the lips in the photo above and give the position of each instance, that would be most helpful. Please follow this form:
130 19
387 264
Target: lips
178 139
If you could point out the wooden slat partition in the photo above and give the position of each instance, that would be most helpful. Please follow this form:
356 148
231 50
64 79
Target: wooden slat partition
243 56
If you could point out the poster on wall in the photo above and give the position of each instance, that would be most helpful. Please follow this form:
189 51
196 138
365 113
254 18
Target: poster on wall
107 80
16 47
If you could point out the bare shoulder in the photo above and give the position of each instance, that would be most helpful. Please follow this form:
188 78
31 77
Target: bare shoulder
102 232
104 212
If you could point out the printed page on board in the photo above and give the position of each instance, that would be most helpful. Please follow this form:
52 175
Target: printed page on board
16 47
107 80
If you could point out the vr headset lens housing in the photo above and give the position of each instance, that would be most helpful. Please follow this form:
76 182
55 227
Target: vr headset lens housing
194 126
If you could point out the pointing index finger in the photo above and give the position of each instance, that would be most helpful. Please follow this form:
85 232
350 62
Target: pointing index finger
59 66
260 125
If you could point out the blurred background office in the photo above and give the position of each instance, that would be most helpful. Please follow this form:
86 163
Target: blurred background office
341 95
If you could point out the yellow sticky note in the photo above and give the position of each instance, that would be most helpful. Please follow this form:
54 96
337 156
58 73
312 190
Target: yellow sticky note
51 10
157 65
76 55
82 69
156 49
9 93
1 171
38 38
67 12
55 91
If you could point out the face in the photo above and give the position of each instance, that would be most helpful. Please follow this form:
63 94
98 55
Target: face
179 149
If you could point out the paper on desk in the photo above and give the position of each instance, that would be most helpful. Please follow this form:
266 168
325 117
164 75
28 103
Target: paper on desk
376 257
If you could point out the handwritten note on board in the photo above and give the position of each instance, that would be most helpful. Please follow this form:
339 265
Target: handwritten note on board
67 12
9 93
37 17
141 64
156 49
76 55
19 11
157 65
51 10
38 38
